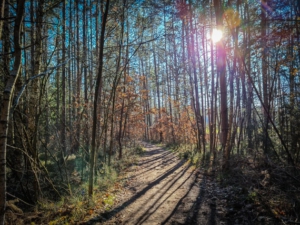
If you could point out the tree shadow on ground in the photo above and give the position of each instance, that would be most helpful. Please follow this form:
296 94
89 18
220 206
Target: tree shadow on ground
145 164
194 211
110 214
171 184
193 214
160 157
155 205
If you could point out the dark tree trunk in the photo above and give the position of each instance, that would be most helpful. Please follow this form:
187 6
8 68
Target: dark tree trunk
97 99
6 103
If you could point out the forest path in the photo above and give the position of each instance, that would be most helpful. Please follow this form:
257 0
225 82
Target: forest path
162 189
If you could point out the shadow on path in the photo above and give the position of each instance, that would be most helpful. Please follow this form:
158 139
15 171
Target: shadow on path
169 194
156 204
109 215
192 217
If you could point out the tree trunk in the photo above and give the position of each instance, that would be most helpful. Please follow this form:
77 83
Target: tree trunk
85 75
156 70
63 111
191 68
98 89
2 7
78 81
221 70
6 104
265 78
33 110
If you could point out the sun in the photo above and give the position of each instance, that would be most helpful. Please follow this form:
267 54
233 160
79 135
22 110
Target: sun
216 35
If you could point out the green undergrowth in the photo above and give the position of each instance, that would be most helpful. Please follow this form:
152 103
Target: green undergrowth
78 207
139 150
191 153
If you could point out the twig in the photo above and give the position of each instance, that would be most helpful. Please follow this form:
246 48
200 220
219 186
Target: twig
19 199
292 222
291 176
34 77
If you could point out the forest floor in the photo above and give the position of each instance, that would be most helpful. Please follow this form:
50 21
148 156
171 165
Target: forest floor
161 188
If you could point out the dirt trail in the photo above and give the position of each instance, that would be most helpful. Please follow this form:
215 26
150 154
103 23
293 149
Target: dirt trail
163 189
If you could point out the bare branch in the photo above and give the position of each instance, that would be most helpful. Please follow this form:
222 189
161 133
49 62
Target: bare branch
49 71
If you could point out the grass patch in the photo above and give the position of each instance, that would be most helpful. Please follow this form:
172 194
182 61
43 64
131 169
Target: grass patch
109 201
139 150
79 207
190 153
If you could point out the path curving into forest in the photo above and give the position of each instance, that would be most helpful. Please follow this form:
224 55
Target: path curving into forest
162 189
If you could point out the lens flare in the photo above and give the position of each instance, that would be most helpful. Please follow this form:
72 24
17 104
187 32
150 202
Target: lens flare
232 18
216 35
